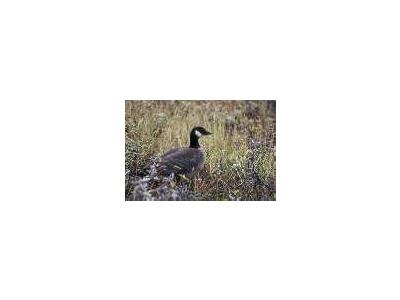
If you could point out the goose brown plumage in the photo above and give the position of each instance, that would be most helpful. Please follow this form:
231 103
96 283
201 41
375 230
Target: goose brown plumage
186 160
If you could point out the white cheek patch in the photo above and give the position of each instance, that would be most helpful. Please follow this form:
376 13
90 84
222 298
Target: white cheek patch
197 133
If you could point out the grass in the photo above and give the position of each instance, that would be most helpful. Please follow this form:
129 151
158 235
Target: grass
240 155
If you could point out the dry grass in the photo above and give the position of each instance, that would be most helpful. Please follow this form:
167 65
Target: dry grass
240 161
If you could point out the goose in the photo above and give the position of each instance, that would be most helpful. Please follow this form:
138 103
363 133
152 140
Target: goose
186 160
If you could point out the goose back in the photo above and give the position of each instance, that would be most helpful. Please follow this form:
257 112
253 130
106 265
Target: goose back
181 161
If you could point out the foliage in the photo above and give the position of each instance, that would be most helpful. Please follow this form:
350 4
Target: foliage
240 155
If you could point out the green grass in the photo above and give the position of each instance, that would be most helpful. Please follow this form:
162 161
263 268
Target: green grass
240 155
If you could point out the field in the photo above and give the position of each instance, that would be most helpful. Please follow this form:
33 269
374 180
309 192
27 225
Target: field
240 154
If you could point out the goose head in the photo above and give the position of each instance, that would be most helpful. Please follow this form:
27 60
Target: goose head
195 134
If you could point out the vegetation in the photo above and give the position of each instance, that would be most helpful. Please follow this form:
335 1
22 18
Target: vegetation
240 155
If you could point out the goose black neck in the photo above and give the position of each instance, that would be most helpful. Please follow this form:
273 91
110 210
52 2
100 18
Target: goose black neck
194 140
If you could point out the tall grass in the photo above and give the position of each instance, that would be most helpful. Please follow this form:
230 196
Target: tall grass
240 155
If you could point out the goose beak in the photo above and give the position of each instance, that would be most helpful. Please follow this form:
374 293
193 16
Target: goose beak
208 133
